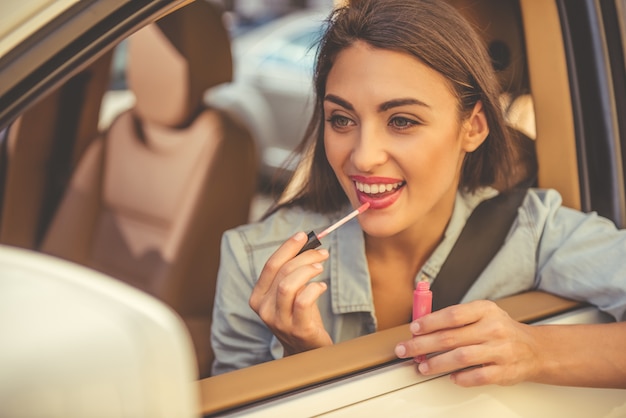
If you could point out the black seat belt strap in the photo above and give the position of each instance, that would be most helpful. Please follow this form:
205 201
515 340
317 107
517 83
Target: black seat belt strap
479 241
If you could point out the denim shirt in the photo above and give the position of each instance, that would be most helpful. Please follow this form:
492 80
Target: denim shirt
549 247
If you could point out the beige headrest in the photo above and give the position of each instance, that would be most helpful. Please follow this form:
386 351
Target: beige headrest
173 62
498 22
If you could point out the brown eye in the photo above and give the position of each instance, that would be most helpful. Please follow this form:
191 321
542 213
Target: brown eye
402 123
338 121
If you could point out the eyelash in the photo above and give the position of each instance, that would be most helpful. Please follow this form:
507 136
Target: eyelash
407 123
333 120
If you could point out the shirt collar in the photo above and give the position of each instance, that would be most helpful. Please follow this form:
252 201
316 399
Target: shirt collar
464 205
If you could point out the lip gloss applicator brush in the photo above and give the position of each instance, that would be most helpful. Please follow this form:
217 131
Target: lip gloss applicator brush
313 239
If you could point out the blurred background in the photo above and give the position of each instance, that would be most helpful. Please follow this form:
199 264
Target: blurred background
247 14
273 44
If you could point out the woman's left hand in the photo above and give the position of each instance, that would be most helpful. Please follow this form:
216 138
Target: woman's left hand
477 341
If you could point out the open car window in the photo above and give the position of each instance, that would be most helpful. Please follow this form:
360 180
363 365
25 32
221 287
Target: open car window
44 70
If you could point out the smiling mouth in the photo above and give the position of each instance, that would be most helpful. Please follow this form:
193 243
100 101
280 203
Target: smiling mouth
378 190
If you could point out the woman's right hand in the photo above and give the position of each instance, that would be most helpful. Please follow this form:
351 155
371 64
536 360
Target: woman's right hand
286 301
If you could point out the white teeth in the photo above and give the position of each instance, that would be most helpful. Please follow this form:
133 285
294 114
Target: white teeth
376 188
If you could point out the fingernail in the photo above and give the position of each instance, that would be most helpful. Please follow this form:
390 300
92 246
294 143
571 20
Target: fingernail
300 236
318 266
400 351
423 368
415 328
323 251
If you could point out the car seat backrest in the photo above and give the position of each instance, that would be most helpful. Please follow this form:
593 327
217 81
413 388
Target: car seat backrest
172 63
152 196
41 146
499 23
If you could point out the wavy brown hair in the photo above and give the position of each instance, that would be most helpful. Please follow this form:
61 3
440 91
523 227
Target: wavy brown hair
436 34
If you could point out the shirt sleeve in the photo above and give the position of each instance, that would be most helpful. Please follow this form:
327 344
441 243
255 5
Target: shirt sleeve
581 256
239 338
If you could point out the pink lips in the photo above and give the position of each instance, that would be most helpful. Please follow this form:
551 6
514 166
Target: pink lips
382 200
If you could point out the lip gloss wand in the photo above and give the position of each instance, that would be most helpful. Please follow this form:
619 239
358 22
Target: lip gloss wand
313 240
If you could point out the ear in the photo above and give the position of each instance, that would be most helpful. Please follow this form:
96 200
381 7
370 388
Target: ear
475 128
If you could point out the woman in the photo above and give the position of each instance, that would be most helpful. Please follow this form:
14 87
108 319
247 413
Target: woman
407 119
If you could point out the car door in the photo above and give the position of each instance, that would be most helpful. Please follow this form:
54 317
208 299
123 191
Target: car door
576 69
593 34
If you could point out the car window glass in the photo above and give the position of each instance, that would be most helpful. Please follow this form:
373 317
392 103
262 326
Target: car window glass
19 20
118 97
297 52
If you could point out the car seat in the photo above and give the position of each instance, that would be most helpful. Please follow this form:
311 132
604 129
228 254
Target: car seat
152 195
500 25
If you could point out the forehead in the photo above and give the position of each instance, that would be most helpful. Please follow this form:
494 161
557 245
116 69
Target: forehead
364 71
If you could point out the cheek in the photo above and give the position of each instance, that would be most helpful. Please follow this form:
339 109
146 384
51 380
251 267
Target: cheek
337 152
431 162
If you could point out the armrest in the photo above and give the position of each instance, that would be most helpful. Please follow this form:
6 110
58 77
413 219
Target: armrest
266 380
535 305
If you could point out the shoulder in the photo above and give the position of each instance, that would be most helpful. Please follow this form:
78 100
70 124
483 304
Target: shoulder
546 205
544 212
546 198
539 209
535 199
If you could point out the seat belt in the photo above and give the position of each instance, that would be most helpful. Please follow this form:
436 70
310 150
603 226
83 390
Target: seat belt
478 243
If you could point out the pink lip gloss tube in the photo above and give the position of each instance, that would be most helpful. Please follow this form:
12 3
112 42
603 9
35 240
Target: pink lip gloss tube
422 300
422 305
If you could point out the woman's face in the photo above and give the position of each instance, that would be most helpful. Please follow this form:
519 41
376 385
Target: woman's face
394 138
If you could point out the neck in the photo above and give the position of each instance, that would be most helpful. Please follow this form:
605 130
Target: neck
413 246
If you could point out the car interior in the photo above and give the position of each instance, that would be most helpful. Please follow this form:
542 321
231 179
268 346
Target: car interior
147 200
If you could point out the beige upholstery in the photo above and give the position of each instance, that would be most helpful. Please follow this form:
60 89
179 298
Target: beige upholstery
556 133
152 196
43 143
500 25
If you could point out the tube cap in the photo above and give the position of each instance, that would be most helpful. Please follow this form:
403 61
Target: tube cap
311 243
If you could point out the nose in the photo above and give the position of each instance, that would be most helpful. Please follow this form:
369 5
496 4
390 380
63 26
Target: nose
370 149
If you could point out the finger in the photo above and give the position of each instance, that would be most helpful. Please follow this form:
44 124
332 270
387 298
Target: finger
441 341
456 316
288 287
479 376
487 328
264 297
285 253
305 310
457 359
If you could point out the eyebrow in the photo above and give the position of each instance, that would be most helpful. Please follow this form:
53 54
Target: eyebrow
382 107
339 101
401 102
